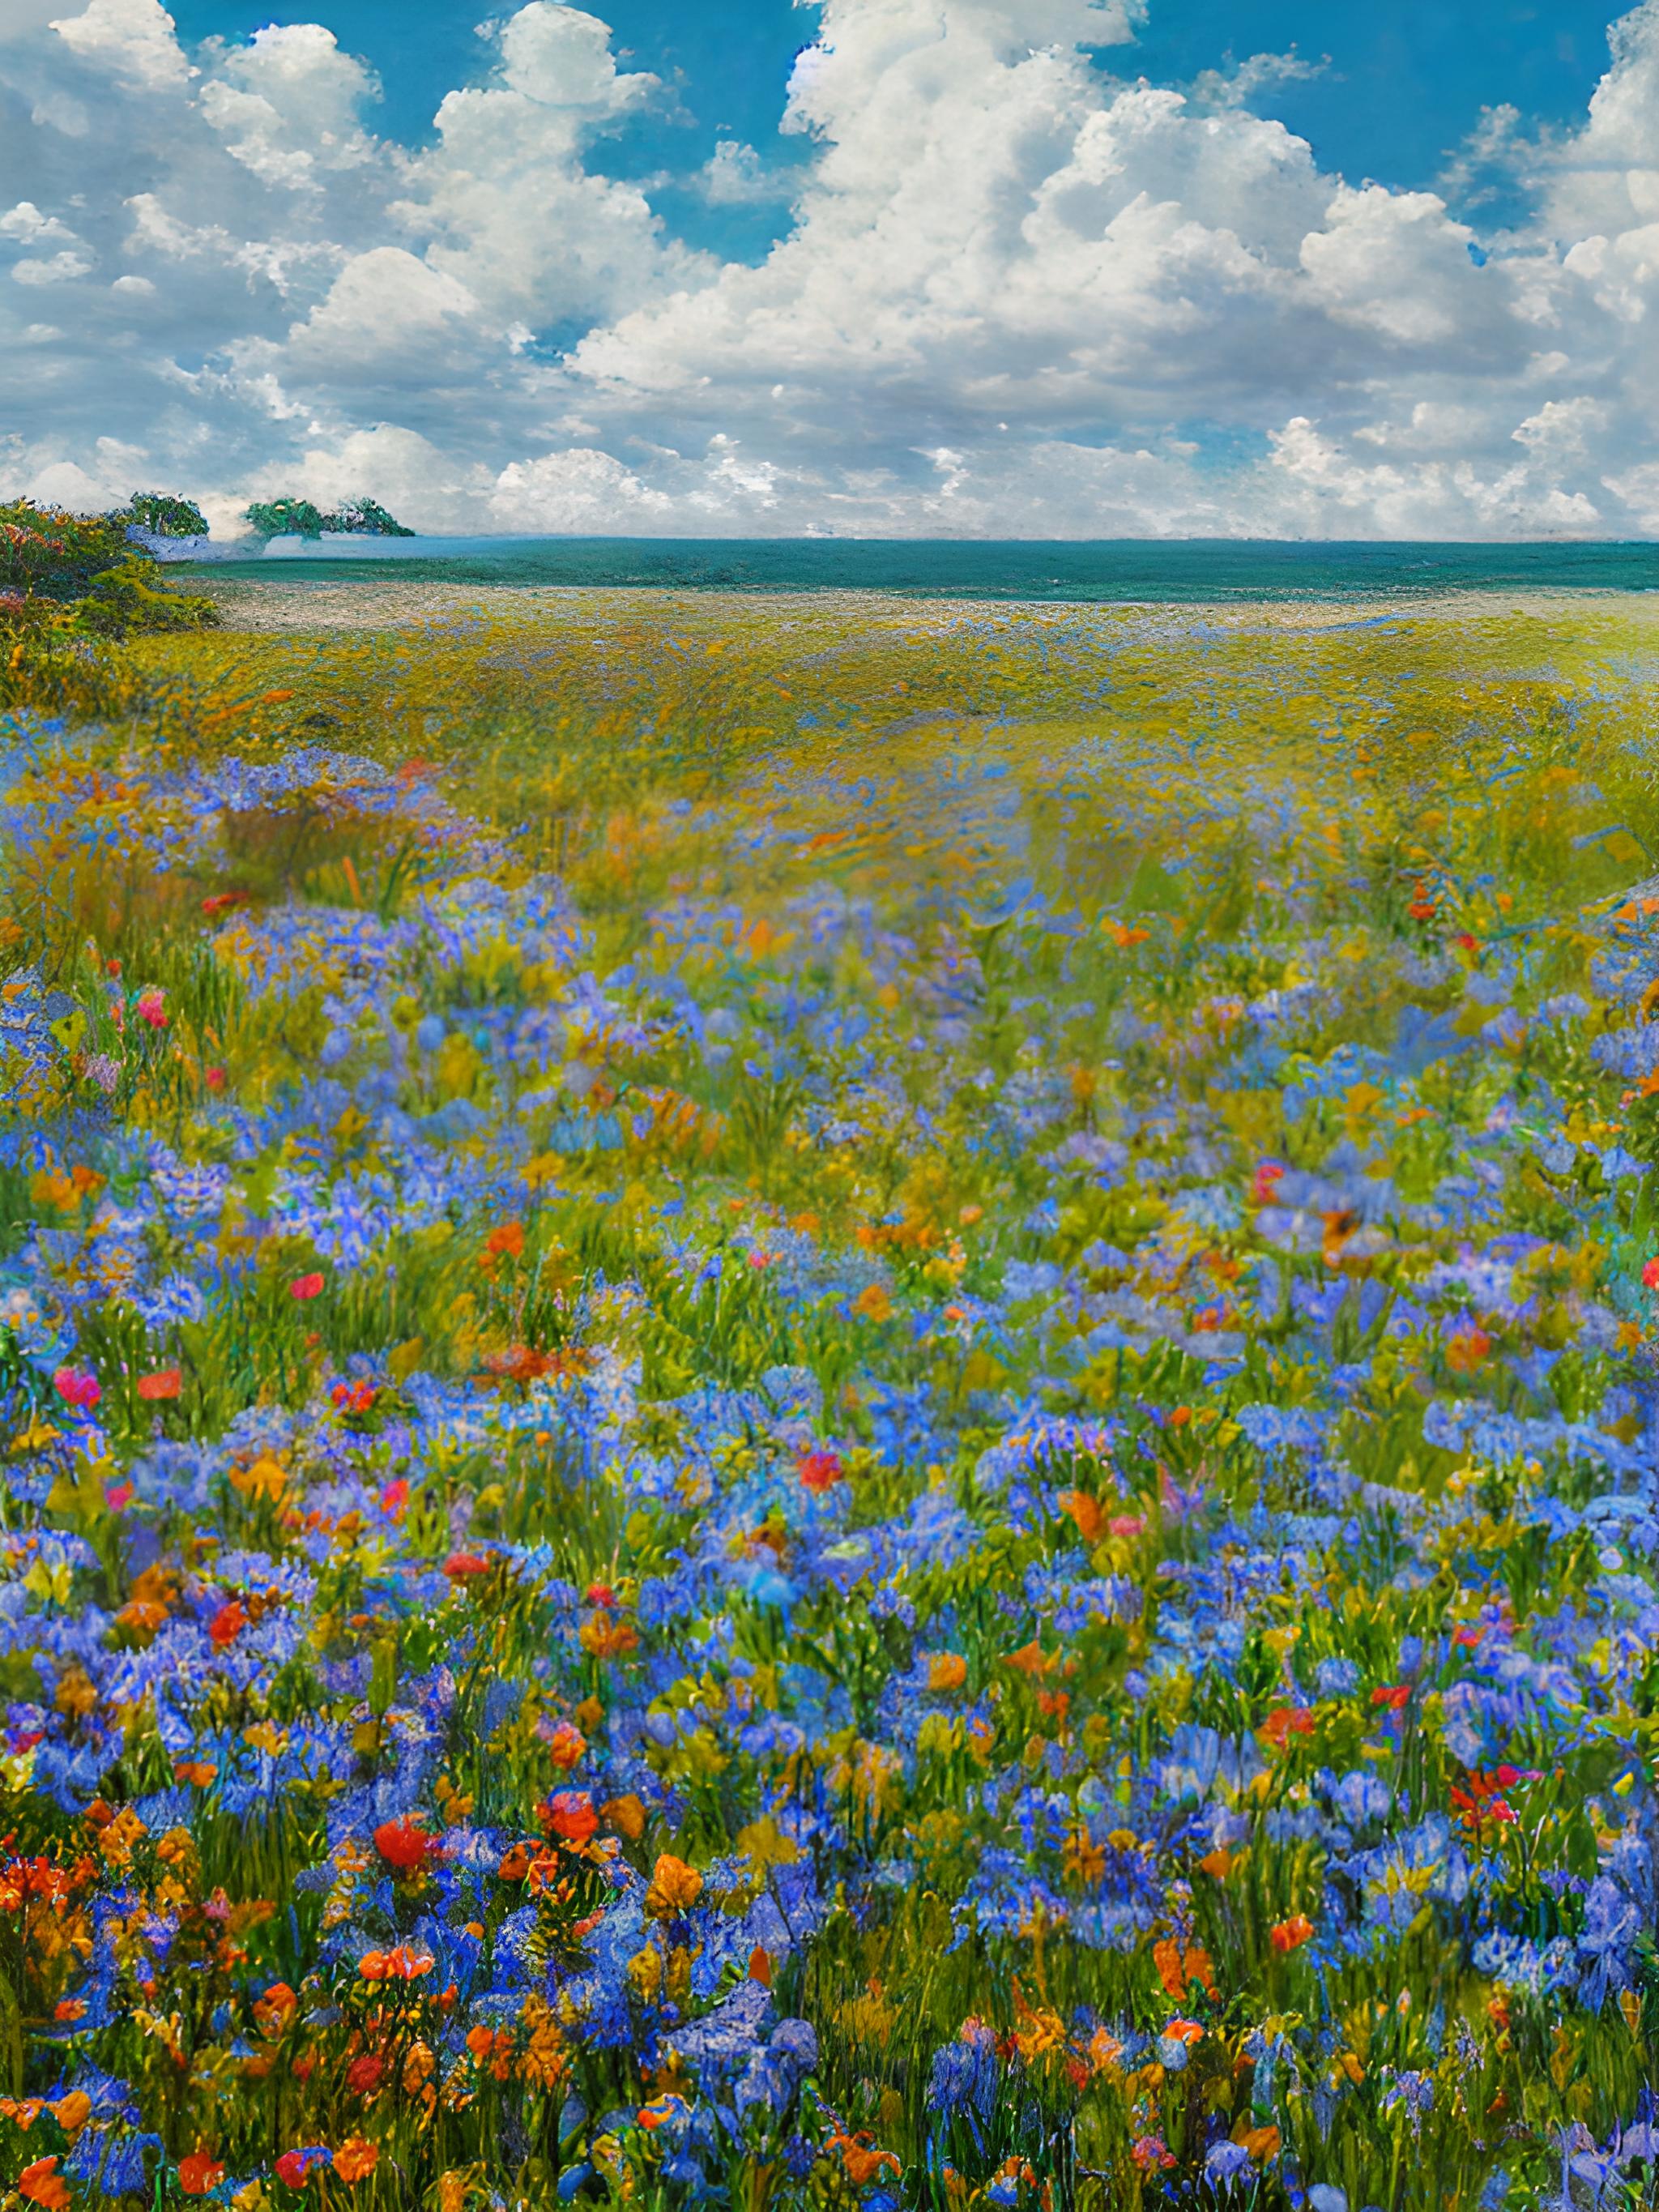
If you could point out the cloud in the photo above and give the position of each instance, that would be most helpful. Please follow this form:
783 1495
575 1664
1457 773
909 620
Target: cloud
1238 83
61 268
1017 294
134 39
27 222
286 104
735 176
580 489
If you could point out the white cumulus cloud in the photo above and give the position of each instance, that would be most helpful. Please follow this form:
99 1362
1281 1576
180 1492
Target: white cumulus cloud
1017 293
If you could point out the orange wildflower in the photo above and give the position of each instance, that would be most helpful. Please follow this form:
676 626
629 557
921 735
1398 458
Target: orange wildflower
355 2159
674 1889
859 2155
42 2184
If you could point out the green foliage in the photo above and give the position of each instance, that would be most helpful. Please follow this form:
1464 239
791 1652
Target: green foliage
163 514
302 518
365 518
127 598
286 518
70 585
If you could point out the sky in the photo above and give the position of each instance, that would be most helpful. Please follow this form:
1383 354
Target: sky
973 268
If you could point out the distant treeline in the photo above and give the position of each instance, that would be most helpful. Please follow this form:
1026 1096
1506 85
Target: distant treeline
298 518
164 514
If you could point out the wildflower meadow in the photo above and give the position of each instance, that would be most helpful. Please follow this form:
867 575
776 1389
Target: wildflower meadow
830 1404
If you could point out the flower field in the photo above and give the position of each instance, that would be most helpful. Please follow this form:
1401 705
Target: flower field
833 1408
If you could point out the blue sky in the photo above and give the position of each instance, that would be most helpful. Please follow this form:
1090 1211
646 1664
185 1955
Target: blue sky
1406 82
967 267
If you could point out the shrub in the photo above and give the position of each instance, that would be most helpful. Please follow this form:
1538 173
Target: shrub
301 518
163 515
69 584
48 553
131 596
364 518
285 518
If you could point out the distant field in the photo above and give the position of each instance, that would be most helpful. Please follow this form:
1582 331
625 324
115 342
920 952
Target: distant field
833 1403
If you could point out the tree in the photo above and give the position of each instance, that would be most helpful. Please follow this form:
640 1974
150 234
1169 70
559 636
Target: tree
365 518
299 518
163 515
285 518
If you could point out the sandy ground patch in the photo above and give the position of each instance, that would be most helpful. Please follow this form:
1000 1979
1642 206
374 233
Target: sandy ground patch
296 604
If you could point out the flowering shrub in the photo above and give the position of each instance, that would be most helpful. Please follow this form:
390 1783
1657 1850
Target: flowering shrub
841 1418
68 582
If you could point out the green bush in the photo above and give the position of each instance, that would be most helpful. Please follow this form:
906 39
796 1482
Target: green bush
163 515
129 597
299 518
365 518
69 586
285 518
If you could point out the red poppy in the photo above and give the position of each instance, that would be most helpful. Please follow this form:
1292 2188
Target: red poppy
403 1844
818 1470
306 1286
1266 1179
1285 1721
571 1815
165 1383
227 1625
1396 1697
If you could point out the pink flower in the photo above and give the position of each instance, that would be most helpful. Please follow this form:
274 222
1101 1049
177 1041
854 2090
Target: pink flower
119 1497
77 1386
152 1008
